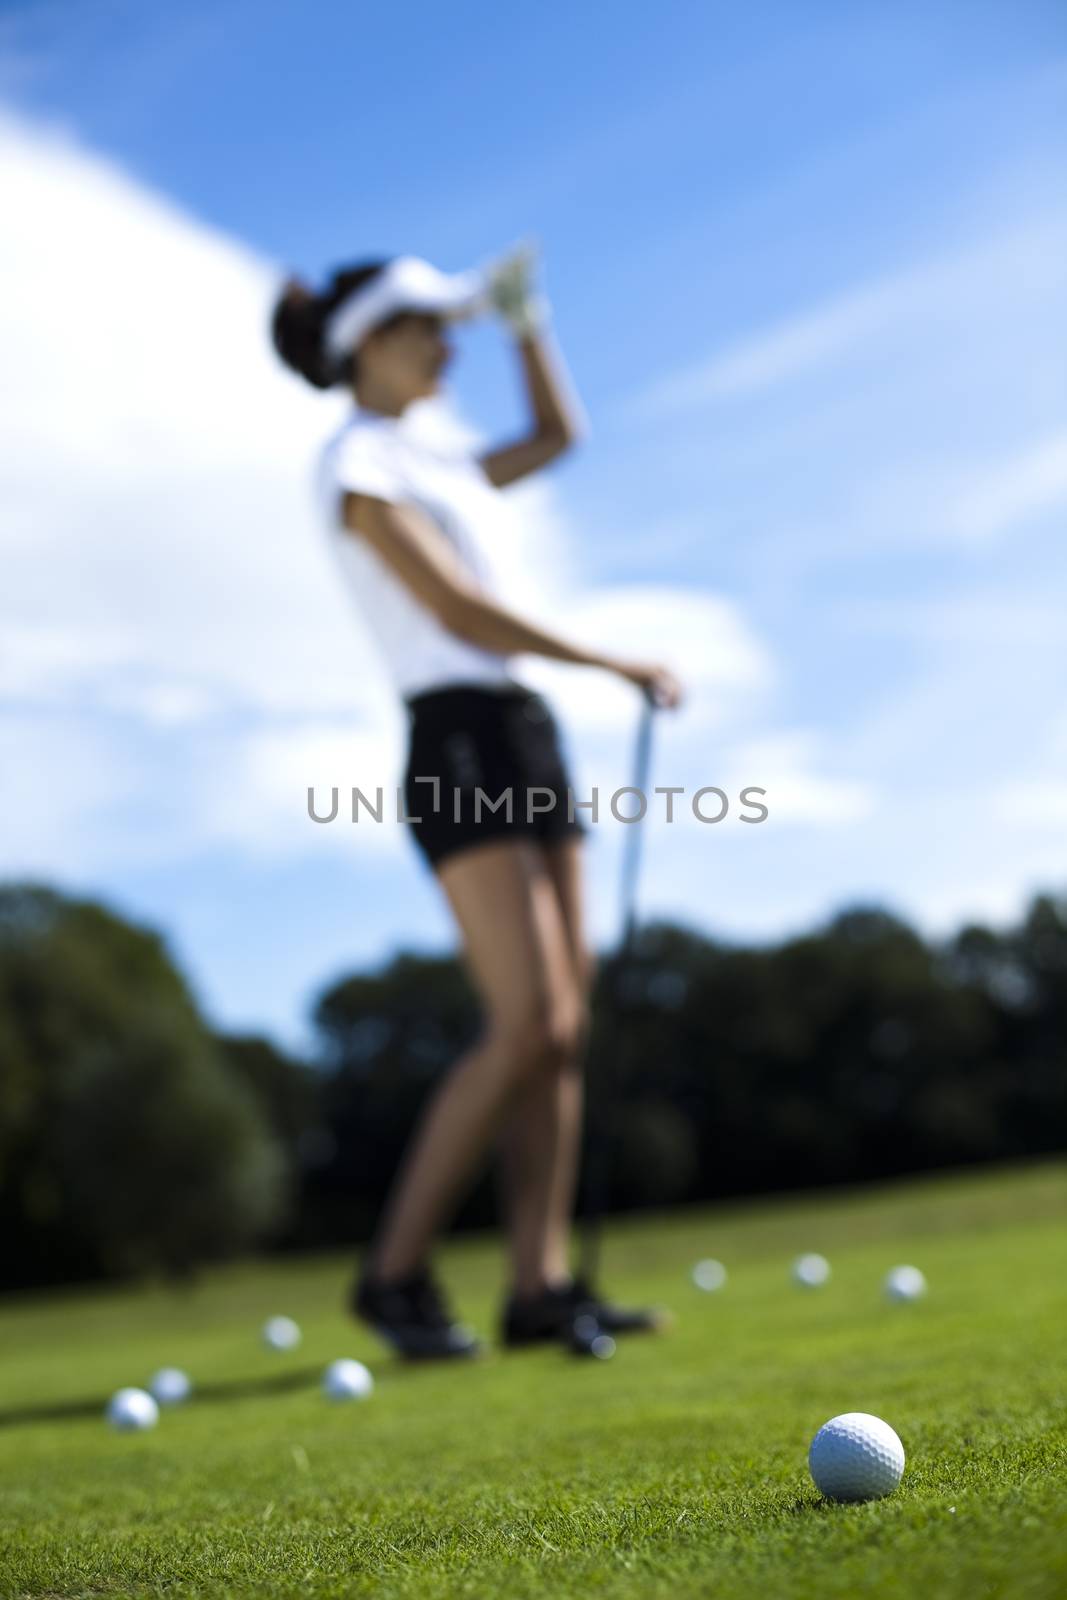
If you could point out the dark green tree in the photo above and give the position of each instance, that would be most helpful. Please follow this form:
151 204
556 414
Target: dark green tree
125 1142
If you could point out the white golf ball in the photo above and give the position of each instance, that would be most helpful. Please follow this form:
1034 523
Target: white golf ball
709 1275
811 1271
347 1380
856 1457
130 1410
281 1333
905 1283
170 1386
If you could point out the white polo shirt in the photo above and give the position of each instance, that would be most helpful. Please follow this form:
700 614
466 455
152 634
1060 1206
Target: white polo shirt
380 456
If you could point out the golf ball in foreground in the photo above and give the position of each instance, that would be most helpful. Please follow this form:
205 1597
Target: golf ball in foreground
709 1275
281 1333
347 1380
130 1410
856 1457
905 1283
170 1386
811 1271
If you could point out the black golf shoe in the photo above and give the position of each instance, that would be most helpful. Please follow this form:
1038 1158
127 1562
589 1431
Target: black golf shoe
622 1319
412 1316
550 1315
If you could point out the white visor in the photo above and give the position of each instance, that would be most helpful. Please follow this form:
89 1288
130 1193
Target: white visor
406 284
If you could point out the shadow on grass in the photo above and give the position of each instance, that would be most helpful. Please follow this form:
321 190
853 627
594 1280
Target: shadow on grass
231 1389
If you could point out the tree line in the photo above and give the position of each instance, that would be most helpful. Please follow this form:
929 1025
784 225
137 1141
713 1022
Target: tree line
134 1139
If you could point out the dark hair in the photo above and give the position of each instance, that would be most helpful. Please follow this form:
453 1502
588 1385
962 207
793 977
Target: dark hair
299 318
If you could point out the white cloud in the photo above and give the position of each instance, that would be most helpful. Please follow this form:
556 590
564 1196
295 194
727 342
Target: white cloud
1036 798
952 287
1041 804
258 802
62 781
782 352
794 768
1003 496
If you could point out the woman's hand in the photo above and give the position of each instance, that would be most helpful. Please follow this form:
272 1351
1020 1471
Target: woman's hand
513 291
655 680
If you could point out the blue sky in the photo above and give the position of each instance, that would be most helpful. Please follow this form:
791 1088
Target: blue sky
807 267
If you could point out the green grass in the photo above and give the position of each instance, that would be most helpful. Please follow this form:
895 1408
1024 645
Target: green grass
678 1469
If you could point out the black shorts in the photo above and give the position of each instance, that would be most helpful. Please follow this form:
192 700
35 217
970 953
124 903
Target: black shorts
499 741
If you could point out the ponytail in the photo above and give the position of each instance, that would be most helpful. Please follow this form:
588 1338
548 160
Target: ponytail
299 319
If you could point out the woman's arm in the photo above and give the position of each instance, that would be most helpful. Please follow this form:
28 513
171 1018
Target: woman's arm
426 563
558 421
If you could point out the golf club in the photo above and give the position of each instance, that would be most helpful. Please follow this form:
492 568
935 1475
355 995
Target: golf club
597 1161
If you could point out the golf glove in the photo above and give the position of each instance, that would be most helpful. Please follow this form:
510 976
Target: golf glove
513 293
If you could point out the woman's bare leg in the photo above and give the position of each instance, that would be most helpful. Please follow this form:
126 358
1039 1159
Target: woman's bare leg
540 1143
507 913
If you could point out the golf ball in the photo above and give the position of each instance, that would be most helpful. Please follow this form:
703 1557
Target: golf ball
281 1333
856 1457
130 1410
347 1380
709 1275
811 1271
905 1283
170 1386
589 1339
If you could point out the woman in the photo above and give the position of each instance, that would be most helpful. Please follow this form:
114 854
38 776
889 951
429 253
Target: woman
412 524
